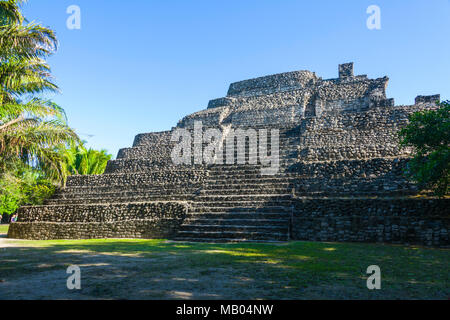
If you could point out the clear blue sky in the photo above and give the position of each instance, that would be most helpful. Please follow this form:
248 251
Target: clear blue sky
141 65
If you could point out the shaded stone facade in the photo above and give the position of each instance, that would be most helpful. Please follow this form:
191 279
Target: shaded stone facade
340 176
372 220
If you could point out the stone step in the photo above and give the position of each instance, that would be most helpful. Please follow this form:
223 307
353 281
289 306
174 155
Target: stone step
243 185
146 166
148 153
231 191
237 161
252 214
149 139
284 145
198 207
125 199
156 177
166 135
203 199
222 240
226 209
236 205
243 177
306 179
227 175
358 151
355 193
282 151
149 166
234 228
350 186
80 192
235 167
118 197
217 235
248 180
226 220
212 190
257 198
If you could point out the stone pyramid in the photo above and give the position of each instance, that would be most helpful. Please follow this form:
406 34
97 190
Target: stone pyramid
339 176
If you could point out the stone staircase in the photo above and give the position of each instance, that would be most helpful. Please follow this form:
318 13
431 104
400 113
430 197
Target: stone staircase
237 204
225 202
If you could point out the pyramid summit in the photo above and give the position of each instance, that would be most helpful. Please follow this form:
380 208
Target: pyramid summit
339 172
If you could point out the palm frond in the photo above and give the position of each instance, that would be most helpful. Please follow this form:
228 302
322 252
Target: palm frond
10 12
20 76
31 41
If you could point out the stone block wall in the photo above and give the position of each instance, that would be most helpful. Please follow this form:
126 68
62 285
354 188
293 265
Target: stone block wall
428 99
151 146
346 70
153 176
355 135
288 115
273 83
288 97
221 102
383 177
152 138
210 117
105 212
145 166
131 229
407 221
133 220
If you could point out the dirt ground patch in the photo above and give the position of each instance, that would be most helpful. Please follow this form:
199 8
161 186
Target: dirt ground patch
158 269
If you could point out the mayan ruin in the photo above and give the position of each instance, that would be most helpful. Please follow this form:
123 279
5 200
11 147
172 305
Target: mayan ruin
339 176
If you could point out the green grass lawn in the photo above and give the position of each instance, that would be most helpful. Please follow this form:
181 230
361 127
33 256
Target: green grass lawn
158 269
4 228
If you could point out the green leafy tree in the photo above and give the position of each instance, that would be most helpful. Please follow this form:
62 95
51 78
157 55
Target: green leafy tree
30 132
80 160
428 132
23 50
30 127
23 185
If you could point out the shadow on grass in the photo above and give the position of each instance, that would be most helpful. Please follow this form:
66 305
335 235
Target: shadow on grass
153 269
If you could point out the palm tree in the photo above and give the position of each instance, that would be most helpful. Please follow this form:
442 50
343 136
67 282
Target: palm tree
30 132
10 11
31 129
23 48
80 160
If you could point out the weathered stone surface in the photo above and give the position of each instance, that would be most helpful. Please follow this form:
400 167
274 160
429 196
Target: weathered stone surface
273 83
147 229
412 221
124 220
104 212
340 176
